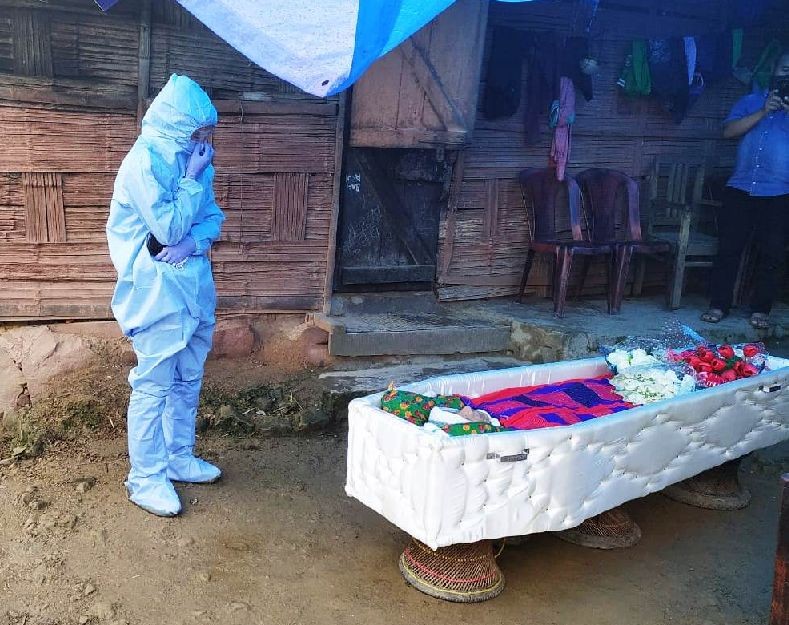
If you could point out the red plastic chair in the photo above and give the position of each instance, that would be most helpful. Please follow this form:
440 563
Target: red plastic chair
541 191
600 189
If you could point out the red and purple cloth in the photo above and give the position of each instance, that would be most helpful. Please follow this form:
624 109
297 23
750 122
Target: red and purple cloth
551 405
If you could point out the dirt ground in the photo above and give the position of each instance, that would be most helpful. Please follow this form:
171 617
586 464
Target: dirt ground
277 541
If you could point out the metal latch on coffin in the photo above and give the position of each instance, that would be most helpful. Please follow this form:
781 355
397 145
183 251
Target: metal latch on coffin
770 388
511 458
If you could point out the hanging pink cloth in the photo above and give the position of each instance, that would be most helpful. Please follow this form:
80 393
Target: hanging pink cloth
560 148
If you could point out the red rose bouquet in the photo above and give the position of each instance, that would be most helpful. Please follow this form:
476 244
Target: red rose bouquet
717 364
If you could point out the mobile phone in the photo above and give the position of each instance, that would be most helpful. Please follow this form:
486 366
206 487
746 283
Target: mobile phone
782 90
154 247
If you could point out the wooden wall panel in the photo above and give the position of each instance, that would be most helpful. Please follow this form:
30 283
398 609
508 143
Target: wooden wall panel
12 208
424 92
6 42
86 198
84 48
45 220
290 207
610 131
44 140
255 144
32 45
34 299
67 54
67 127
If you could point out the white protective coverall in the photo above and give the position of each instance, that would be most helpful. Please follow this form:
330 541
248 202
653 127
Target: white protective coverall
167 310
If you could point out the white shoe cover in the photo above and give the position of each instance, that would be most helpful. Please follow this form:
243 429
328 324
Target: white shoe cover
189 468
154 494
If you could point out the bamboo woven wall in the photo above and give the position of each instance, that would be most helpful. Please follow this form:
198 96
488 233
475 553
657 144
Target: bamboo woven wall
484 256
70 94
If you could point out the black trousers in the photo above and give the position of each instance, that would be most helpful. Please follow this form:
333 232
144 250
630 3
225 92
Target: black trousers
741 215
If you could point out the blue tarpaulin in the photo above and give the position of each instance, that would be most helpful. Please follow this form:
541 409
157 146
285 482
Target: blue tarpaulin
321 46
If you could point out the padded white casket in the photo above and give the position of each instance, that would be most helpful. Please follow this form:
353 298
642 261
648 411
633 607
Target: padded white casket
445 490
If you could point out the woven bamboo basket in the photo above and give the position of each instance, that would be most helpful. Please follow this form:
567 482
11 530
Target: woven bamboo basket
464 573
614 529
716 489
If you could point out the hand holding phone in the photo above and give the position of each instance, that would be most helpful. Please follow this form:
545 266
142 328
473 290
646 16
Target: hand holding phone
199 160
773 103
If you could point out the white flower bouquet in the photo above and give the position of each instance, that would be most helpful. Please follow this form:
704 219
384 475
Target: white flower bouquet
652 382
623 359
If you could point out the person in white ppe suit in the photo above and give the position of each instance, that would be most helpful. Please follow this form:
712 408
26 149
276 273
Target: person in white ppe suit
163 220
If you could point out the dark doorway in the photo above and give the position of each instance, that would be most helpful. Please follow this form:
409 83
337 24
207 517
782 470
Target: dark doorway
389 217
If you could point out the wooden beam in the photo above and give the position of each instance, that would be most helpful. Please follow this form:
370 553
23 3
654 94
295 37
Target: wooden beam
445 251
388 275
293 107
143 59
63 92
340 137
779 610
274 303
512 280
406 137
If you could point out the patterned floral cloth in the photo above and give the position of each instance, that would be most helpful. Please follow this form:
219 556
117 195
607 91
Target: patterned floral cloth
414 407
551 405
472 427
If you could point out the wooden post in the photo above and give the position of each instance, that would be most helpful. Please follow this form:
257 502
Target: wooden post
143 59
779 612
444 261
331 256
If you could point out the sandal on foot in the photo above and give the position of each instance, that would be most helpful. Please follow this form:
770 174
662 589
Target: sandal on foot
713 315
760 321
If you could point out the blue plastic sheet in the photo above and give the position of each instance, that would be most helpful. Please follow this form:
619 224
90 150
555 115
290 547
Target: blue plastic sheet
321 47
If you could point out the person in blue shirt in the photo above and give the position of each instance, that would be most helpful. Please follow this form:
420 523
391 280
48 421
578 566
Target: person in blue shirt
756 201
163 220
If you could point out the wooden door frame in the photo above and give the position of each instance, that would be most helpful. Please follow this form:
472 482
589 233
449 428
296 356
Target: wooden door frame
340 139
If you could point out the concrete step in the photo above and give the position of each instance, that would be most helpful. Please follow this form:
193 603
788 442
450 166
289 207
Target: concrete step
424 333
339 387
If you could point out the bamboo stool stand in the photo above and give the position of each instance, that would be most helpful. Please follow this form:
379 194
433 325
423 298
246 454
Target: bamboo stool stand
716 489
613 529
463 573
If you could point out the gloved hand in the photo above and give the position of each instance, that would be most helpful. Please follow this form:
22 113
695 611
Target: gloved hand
174 254
199 160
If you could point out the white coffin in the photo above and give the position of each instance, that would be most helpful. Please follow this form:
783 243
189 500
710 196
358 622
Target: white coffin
444 490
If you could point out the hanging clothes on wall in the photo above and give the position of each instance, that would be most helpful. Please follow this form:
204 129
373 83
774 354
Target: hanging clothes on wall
542 81
695 77
736 46
690 56
635 78
669 71
562 119
502 95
